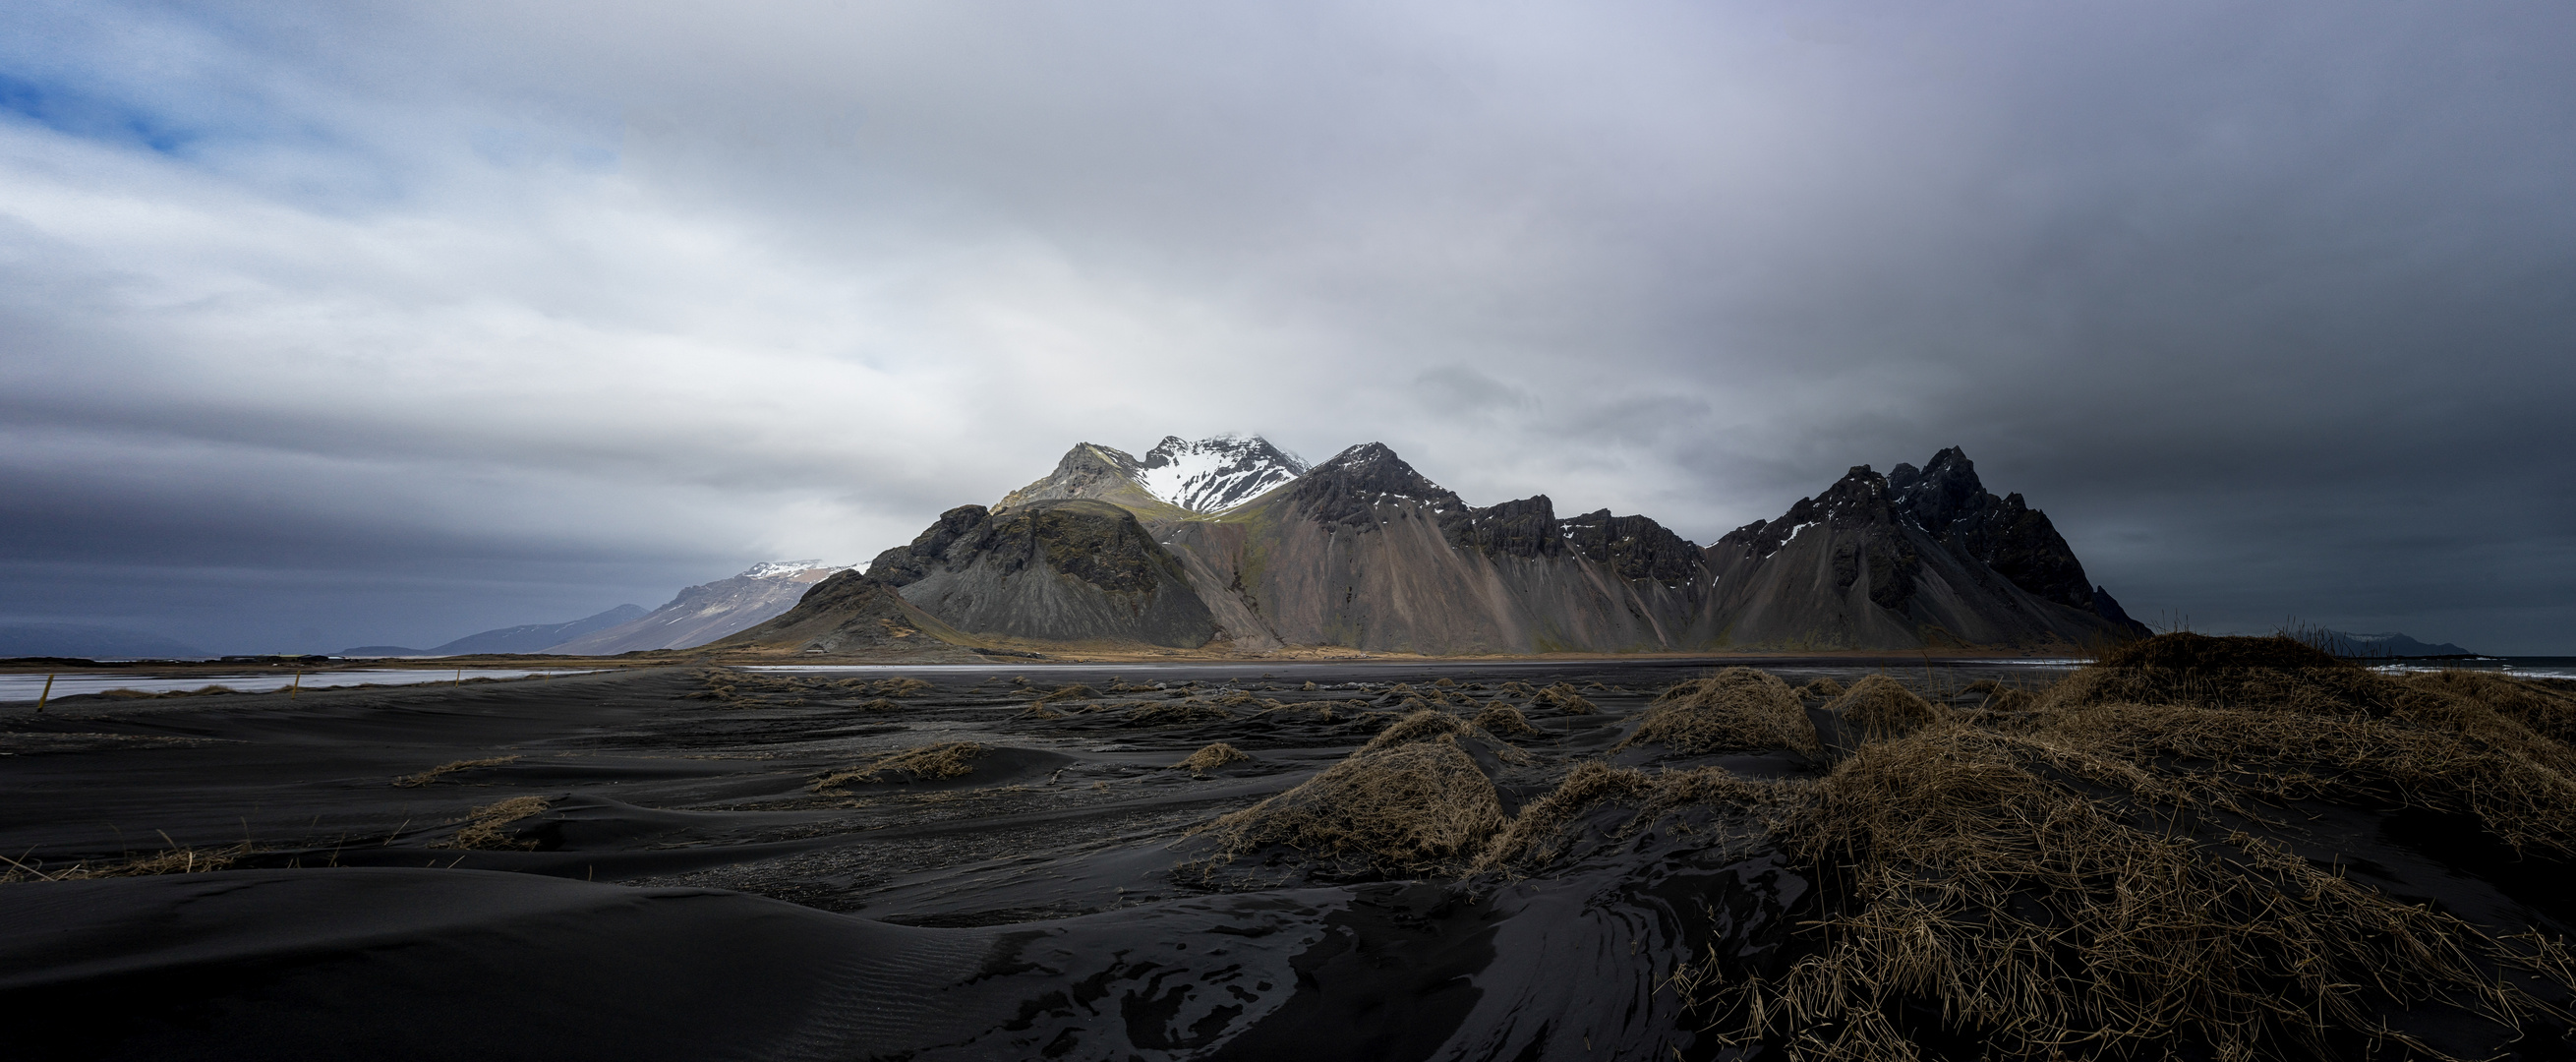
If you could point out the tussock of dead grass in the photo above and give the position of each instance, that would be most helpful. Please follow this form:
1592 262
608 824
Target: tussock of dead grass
879 704
1878 707
1564 698
2547 712
2278 673
2439 752
1076 691
1417 807
1175 713
1504 721
1427 724
929 763
1214 755
484 826
1738 709
1540 834
434 774
1824 687
2049 922
174 860
2067 886
739 688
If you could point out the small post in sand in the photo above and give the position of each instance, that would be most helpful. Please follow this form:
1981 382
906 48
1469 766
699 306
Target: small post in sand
49 692
460 676
299 684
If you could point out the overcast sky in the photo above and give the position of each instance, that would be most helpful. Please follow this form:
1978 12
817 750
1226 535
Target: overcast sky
344 324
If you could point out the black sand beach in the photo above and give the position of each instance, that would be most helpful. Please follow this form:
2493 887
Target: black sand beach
695 863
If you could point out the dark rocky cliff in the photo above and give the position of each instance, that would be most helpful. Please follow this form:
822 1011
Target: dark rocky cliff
1915 557
1060 570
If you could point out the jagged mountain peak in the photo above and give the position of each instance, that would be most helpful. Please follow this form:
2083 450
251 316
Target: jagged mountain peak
1216 473
1350 485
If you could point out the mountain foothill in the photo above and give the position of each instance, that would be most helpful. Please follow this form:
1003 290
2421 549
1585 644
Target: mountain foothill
1234 545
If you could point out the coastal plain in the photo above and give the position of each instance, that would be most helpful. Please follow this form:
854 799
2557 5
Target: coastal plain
1394 859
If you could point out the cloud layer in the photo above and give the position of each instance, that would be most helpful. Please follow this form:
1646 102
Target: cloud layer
340 324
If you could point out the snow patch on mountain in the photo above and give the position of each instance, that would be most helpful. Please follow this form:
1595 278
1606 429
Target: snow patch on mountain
1215 474
783 569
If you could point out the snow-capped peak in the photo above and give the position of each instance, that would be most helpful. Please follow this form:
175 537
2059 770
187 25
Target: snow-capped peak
1215 474
784 569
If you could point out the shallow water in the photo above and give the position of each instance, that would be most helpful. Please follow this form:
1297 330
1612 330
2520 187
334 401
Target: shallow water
29 687
2517 666
1936 674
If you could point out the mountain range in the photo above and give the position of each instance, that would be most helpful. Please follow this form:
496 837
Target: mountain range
2390 644
695 616
1233 544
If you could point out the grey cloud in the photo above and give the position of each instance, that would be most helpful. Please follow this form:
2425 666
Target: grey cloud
2265 304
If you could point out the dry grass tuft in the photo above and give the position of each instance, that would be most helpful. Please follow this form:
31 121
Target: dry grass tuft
877 705
1215 755
174 860
1076 691
1541 834
1427 724
1537 834
899 687
412 781
484 825
1504 721
2276 672
1419 807
929 763
1564 698
1824 687
1877 708
1987 879
2547 712
2443 753
1175 713
1738 709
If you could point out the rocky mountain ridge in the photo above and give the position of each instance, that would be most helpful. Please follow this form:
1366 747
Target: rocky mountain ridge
1364 551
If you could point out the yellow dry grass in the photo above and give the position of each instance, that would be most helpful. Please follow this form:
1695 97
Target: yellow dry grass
1425 724
928 763
1826 688
1738 709
440 772
1416 807
1564 698
178 859
484 826
1504 721
1214 755
2099 878
1983 880
1175 713
1878 707
1539 834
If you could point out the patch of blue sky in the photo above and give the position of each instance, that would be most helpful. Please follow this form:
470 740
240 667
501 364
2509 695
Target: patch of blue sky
72 112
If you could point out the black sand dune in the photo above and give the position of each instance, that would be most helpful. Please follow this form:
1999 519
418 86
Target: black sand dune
1470 862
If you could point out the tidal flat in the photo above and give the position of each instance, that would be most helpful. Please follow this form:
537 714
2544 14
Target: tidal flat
2204 848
